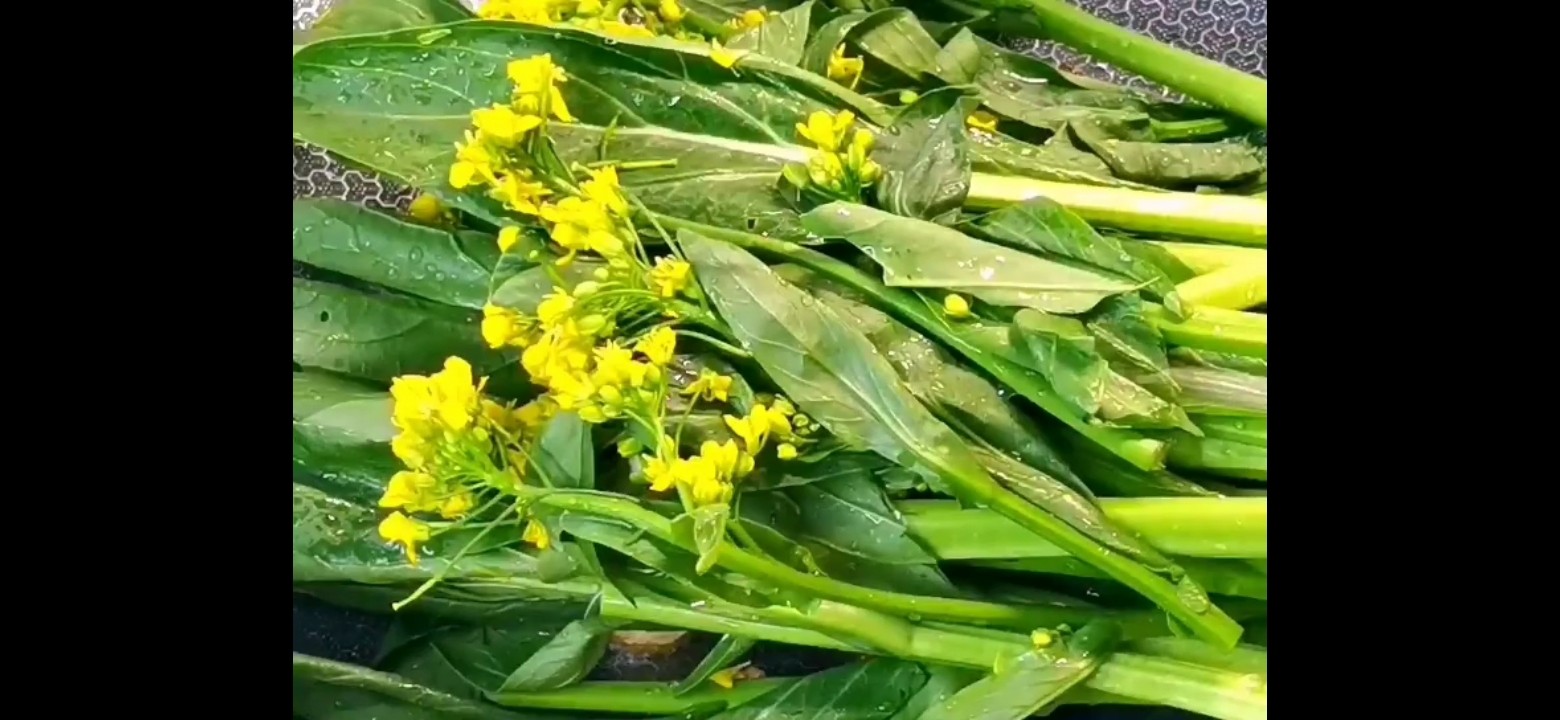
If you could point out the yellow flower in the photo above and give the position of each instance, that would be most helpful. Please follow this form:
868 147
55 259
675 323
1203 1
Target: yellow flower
536 78
536 413
615 366
413 450
670 11
982 120
536 534
843 70
508 237
560 350
728 678
501 124
617 29
699 476
474 165
753 429
660 473
710 385
580 225
825 130
670 275
658 346
724 57
426 209
603 187
1041 638
729 462
571 390
400 529
750 19
589 8
555 306
825 169
448 397
955 306
457 505
502 327
518 193
410 490
785 451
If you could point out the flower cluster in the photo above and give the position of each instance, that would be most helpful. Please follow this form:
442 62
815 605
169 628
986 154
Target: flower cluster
448 436
500 134
620 21
841 165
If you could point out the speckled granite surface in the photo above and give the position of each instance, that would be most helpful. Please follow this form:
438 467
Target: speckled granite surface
1232 31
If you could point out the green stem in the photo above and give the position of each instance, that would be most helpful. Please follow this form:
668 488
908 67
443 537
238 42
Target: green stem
1216 329
1219 457
1243 659
1136 449
1207 691
637 698
1022 617
706 26
1213 527
1238 287
1198 77
1226 218
1231 578
1182 130
1205 258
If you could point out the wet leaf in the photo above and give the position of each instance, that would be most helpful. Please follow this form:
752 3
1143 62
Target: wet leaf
1034 679
329 690
782 37
341 435
919 254
566 658
728 651
868 690
1041 225
432 264
1133 345
1170 164
827 368
566 452
927 169
851 515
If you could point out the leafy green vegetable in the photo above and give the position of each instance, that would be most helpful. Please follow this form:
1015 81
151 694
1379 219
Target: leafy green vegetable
357 17
1041 225
851 514
727 652
1170 164
329 690
919 254
566 452
1217 391
1132 345
432 264
566 658
927 169
782 37
341 429
1031 681
870 690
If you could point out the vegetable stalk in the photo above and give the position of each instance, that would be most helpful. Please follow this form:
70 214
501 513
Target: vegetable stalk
1228 218
1198 77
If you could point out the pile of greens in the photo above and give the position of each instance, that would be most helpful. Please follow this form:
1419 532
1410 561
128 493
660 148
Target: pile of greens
834 325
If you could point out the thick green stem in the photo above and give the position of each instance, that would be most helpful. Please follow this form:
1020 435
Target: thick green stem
1220 457
1142 452
1198 77
1232 578
1243 659
637 698
1216 329
1204 258
1208 691
1022 617
1213 527
1226 218
1238 287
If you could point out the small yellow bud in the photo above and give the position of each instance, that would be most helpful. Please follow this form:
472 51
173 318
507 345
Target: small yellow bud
508 237
426 209
601 274
1041 639
908 96
670 11
786 451
956 306
586 289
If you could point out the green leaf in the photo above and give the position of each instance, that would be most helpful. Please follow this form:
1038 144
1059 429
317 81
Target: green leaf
894 37
869 690
1191 357
1032 680
927 169
378 337
918 254
852 515
1132 344
1111 476
728 651
941 683
673 561
329 690
566 452
782 37
823 365
1064 351
341 435
960 397
709 529
1170 164
566 659
1041 225
358 17
432 264
521 287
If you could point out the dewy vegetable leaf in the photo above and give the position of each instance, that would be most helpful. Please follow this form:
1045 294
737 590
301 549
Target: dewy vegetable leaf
357 17
1034 679
566 658
927 169
852 515
372 246
342 430
919 254
869 690
1042 225
566 452
782 37
1169 164
328 690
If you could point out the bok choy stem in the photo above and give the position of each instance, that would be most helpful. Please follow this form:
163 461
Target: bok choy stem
1227 218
